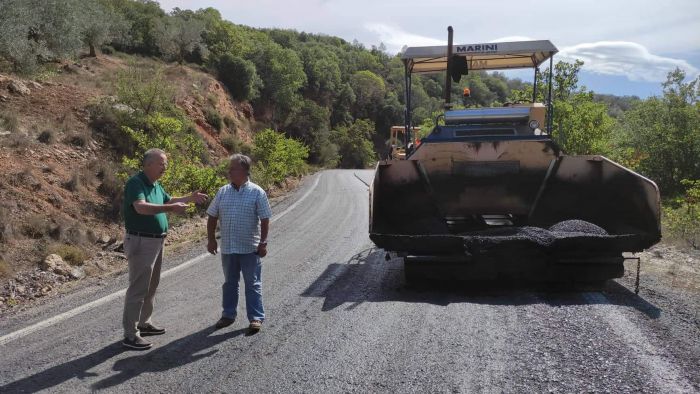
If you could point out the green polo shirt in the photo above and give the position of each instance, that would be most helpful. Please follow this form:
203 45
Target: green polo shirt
138 187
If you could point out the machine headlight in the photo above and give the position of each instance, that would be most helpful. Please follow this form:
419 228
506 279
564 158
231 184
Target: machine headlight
534 124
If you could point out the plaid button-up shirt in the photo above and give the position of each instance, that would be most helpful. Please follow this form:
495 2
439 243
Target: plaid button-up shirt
239 213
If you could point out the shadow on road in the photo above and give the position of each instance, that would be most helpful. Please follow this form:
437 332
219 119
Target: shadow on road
174 354
367 277
78 368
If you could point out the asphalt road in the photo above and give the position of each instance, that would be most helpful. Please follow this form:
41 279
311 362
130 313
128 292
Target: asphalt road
340 318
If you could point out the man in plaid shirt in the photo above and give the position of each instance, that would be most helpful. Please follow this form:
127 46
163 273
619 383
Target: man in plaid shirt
244 212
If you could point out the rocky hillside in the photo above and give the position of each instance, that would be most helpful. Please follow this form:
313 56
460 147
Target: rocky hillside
58 189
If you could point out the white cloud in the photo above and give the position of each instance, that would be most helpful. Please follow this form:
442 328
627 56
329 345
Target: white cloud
512 38
395 38
622 58
617 58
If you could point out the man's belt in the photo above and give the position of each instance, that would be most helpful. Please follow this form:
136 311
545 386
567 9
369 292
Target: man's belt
147 235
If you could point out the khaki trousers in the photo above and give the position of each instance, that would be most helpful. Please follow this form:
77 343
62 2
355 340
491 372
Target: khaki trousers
145 257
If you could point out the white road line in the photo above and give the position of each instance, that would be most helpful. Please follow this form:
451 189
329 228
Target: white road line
361 180
76 311
279 215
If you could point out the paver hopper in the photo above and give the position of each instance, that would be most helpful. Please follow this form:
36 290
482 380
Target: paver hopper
490 193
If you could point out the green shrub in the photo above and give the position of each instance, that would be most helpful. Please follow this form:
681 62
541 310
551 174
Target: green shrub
355 147
46 137
262 176
681 218
234 144
213 118
278 157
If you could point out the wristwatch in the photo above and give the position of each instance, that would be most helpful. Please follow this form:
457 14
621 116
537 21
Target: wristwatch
263 243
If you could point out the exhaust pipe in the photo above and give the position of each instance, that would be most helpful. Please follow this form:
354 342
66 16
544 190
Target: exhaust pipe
448 82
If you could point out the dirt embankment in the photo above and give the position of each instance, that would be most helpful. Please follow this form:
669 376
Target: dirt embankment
57 183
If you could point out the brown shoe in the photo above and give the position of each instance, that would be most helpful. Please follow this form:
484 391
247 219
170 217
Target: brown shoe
224 322
255 326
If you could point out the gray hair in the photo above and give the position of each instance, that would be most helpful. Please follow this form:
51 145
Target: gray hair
243 160
151 154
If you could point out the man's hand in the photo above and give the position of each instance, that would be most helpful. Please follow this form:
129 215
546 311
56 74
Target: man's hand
262 250
178 207
212 246
198 198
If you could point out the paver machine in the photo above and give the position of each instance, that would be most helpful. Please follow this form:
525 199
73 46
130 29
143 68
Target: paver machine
490 194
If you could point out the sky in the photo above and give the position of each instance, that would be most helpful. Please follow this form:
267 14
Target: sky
628 46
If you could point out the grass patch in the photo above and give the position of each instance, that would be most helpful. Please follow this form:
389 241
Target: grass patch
18 141
77 138
47 74
69 253
35 227
5 225
6 271
212 99
105 120
110 183
76 235
9 122
25 178
230 122
74 183
111 186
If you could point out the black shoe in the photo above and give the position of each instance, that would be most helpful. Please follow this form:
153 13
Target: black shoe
137 343
150 329
224 322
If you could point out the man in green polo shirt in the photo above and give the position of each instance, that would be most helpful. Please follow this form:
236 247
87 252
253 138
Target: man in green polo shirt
145 205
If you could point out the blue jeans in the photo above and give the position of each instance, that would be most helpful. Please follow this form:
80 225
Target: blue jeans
233 265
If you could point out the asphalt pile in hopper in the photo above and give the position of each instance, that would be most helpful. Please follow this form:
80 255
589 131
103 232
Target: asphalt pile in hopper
540 236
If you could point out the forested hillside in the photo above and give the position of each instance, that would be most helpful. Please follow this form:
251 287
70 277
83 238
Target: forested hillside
310 100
